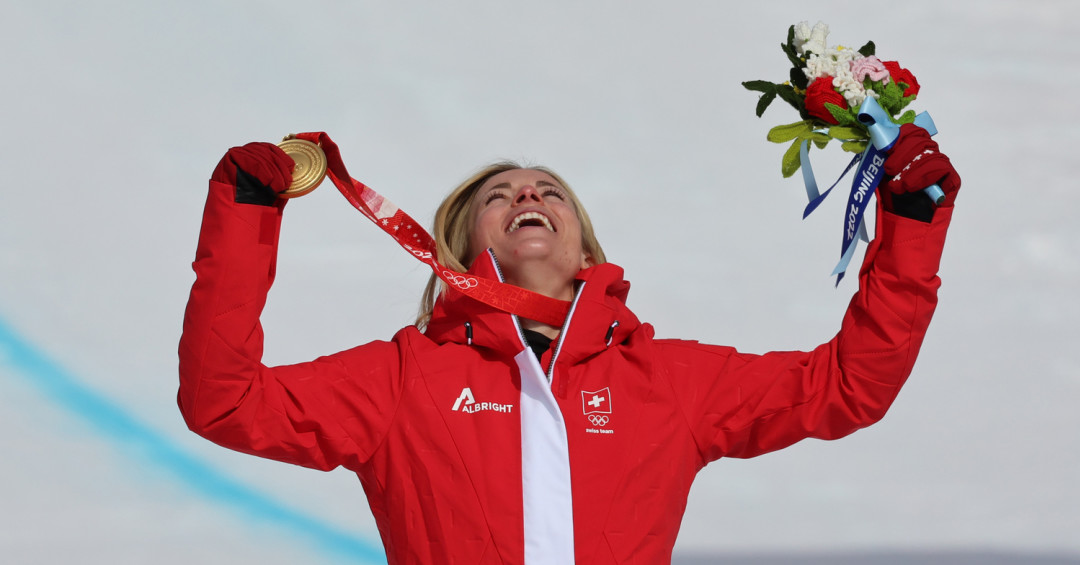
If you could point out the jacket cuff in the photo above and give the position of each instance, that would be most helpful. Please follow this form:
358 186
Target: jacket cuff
909 242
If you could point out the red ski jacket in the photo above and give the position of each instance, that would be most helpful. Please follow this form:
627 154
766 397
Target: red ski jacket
471 451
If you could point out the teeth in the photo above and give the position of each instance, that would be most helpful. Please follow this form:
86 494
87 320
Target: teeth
529 216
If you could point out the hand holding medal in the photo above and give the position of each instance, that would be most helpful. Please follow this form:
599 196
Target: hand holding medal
310 165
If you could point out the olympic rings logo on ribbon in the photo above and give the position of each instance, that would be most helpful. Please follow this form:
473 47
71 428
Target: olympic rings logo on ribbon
598 420
460 281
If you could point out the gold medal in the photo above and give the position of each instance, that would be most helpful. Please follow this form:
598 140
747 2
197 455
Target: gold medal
310 167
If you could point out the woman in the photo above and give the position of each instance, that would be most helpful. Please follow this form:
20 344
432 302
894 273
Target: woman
480 437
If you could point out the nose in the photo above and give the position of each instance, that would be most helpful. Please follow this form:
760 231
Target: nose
527 194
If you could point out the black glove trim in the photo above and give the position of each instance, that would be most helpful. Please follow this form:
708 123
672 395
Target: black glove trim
914 205
249 190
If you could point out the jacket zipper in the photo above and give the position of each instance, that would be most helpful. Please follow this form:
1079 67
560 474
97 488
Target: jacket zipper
562 332
517 323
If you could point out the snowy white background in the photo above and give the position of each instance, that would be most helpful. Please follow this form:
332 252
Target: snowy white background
114 114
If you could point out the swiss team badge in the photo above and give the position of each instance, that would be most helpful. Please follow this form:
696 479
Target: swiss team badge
596 405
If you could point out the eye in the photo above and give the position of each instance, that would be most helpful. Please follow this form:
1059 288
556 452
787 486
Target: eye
555 192
492 196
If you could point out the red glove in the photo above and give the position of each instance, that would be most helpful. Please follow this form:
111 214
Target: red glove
259 171
915 163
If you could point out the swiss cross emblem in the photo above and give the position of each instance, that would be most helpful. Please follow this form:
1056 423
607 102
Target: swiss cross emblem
596 401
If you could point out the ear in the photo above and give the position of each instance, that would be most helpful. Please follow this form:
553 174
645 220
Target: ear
587 261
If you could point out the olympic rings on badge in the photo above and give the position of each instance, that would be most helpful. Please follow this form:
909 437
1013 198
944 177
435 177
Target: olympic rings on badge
460 281
598 420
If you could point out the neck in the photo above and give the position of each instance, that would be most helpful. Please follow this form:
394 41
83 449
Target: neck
552 285
552 277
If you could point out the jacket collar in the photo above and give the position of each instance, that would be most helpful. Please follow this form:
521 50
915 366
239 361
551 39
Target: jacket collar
599 315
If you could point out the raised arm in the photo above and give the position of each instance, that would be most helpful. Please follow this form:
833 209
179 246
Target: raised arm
741 405
321 414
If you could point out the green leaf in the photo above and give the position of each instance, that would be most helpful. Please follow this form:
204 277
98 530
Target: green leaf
759 85
793 57
907 118
785 133
842 116
847 133
764 101
889 98
788 48
787 93
820 139
798 78
853 146
791 161
868 49
906 99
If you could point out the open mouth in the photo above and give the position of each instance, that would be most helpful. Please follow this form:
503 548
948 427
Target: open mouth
530 219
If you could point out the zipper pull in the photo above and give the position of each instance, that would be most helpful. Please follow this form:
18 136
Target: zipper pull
610 334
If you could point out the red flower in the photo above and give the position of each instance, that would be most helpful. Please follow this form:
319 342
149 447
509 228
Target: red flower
899 75
818 94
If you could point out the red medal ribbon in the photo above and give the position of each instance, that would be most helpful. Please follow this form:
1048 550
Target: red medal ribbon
411 236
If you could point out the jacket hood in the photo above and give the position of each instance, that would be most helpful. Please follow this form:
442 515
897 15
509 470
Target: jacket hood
598 316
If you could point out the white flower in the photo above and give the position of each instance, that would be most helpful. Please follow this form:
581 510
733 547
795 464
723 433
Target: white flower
815 42
833 62
818 67
802 34
851 89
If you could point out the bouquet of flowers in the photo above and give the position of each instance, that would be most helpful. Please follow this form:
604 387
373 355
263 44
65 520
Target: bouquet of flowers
827 86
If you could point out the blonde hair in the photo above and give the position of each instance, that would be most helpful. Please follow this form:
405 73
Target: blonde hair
452 225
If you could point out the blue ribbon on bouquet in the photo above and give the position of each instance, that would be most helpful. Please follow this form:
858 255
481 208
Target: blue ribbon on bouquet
883 134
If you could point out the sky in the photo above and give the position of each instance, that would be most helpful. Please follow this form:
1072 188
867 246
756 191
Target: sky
115 113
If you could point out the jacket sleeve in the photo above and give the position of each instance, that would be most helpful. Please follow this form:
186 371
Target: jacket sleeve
740 405
325 413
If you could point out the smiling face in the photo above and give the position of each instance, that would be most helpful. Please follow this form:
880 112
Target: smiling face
457 219
528 219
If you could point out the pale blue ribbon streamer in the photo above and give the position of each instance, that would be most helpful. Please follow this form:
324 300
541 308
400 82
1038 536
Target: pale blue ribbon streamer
817 198
871 170
810 181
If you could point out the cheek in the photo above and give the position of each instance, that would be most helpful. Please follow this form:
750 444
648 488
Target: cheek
573 227
479 230
582 254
